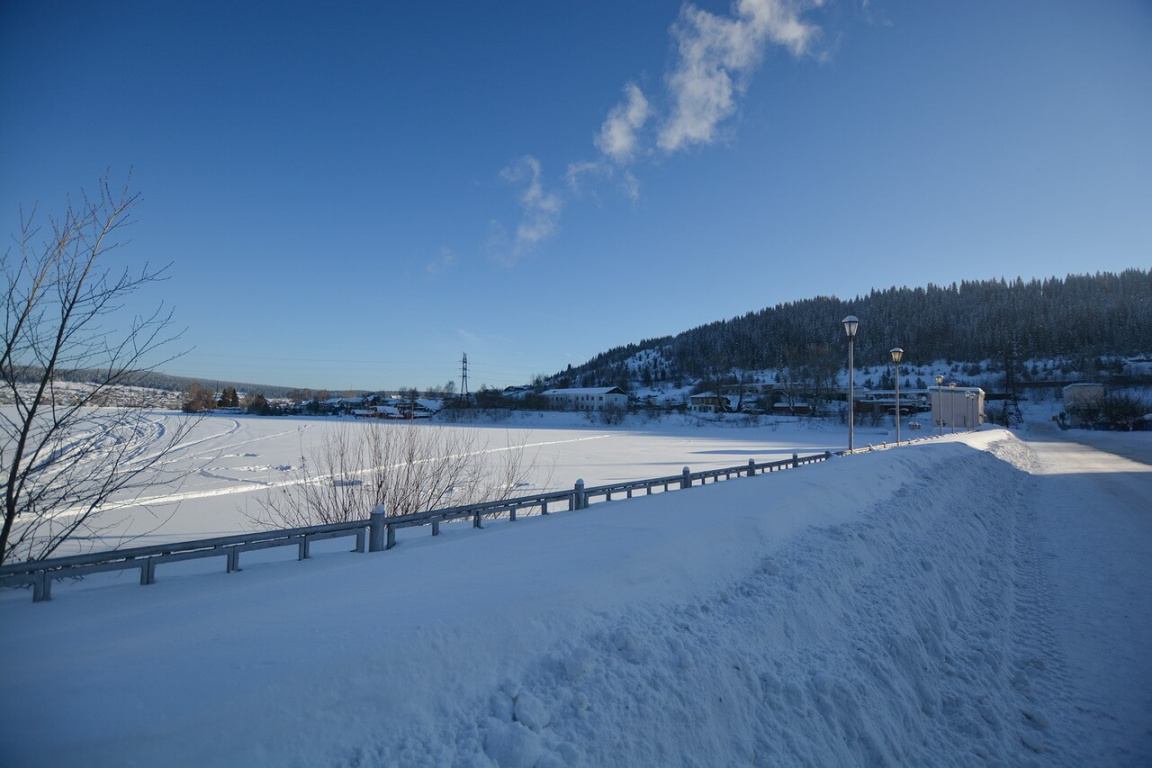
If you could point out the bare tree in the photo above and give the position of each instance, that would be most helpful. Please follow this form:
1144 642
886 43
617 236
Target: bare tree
198 399
62 459
821 366
407 467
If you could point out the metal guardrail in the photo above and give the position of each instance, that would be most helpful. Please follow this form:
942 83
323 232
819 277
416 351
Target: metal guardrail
377 533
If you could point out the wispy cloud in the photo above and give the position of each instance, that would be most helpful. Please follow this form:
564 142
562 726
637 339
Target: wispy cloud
582 173
539 209
618 135
715 56
468 336
443 261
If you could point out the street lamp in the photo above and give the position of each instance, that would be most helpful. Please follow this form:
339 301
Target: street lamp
850 326
968 398
952 403
897 353
940 403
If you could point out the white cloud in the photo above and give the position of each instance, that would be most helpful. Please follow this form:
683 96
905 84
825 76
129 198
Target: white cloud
618 135
444 261
630 186
540 210
585 176
715 57
577 172
469 336
779 21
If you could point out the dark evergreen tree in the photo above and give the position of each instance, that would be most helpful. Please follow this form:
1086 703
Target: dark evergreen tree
229 398
1077 318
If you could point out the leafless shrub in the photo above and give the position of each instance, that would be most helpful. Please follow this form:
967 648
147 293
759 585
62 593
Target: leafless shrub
408 467
1120 410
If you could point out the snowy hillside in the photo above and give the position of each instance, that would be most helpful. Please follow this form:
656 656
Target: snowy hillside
969 601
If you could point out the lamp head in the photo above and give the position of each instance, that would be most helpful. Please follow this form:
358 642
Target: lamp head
851 323
897 354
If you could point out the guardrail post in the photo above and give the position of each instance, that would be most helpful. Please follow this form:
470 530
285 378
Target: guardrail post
686 480
376 529
148 571
42 588
827 455
751 467
795 461
302 551
578 499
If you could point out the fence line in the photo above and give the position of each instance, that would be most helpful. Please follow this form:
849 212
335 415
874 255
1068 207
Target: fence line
377 533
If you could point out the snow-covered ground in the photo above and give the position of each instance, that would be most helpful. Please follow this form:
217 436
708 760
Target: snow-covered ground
983 599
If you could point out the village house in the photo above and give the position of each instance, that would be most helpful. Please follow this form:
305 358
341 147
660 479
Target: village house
587 398
709 402
796 408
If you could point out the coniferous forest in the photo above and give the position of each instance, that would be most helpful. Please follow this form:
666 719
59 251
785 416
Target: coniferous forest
1075 317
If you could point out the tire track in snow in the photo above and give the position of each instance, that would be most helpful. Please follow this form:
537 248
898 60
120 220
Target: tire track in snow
244 486
1040 674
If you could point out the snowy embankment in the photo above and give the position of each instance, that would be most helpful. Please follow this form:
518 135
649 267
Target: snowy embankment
891 607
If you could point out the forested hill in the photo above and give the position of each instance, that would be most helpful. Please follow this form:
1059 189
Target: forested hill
1072 317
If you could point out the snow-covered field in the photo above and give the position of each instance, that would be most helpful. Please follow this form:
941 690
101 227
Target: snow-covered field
983 599
229 462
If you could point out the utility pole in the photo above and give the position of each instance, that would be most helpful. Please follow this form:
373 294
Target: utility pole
464 377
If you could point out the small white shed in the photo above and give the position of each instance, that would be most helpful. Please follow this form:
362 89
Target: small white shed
957 407
1081 396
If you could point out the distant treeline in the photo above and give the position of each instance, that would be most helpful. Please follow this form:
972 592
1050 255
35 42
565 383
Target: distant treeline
1077 317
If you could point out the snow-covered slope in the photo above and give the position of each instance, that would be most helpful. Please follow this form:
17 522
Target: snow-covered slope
906 606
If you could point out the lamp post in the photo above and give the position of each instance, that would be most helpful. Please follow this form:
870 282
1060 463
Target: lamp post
897 354
940 403
952 404
968 398
850 326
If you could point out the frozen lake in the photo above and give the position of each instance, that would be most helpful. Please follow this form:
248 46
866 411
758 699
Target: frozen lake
229 462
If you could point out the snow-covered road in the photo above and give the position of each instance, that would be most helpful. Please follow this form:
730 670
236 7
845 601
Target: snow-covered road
1091 513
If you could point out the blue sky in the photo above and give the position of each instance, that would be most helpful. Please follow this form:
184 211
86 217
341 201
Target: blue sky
355 194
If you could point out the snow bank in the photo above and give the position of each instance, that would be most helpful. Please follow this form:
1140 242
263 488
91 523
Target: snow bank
868 610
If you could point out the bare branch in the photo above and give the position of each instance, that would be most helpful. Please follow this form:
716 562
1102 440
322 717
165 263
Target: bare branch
63 459
408 467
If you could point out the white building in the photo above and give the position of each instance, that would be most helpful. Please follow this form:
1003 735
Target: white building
1080 396
959 407
587 398
709 402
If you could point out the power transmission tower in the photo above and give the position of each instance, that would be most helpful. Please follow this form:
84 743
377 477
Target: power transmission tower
464 377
